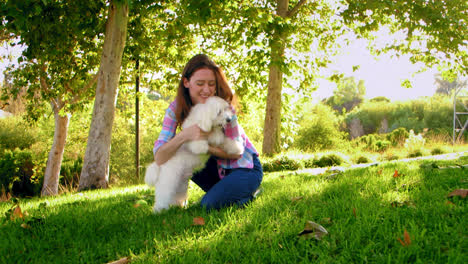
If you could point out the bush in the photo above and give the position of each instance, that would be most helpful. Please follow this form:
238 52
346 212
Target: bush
281 163
415 153
398 136
17 173
70 172
437 151
319 129
374 142
363 159
15 133
328 160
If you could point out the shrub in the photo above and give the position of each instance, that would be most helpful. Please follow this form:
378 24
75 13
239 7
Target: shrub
328 160
319 129
70 172
17 173
398 136
374 142
15 133
415 153
437 151
363 159
281 163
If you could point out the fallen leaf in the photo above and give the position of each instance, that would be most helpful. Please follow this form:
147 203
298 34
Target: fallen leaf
17 213
354 212
449 203
459 192
313 230
139 203
198 221
396 174
295 199
120 261
25 226
380 172
406 239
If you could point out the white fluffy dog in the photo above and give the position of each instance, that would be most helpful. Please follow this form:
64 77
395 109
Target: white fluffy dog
171 178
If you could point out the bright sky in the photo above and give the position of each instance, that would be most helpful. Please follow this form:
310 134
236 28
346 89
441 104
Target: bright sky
382 76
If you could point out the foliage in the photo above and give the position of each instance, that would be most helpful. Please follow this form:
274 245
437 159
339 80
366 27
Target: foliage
16 133
330 159
398 136
433 113
374 142
362 159
17 174
281 163
446 87
432 30
318 128
347 95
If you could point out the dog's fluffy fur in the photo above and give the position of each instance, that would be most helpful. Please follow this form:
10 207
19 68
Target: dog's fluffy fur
171 178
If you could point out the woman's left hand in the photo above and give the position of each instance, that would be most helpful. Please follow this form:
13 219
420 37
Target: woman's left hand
220 153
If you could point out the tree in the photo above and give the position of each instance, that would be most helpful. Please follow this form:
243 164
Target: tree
347 95
95 171
446 87
56 66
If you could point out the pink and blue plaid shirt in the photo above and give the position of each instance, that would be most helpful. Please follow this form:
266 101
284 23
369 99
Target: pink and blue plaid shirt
232 130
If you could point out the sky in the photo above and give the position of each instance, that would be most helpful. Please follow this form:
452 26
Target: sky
382 76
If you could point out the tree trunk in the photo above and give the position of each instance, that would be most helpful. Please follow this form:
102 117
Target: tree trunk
272 126
95 172
54 162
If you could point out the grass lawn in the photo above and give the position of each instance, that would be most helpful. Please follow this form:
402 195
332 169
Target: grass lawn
370 215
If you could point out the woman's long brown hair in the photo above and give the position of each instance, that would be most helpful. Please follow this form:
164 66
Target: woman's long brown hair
184 102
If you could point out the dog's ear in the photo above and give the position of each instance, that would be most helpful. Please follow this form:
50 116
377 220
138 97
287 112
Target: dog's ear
205 123
204 117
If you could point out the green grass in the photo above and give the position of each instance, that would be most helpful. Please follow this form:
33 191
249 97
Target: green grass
364 210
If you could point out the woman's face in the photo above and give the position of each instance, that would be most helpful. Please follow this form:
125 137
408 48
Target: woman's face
201 85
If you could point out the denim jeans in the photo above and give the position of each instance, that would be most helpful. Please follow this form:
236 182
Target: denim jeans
237 187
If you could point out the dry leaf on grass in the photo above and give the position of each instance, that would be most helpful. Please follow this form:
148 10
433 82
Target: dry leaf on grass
459 192
295 199
406 239
313 230
16 213
198 221
396 174
120 261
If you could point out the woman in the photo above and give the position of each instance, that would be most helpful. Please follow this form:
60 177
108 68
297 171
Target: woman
226 179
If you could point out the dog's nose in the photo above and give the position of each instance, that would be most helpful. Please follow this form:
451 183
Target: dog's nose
228 119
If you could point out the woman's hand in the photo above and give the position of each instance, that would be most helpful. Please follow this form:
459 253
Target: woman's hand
220 153
194 133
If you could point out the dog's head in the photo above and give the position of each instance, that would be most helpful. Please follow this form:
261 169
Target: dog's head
218 113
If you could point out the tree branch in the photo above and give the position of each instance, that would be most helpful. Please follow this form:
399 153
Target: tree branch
295 9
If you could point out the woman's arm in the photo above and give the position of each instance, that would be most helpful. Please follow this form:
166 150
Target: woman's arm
220 153
166 151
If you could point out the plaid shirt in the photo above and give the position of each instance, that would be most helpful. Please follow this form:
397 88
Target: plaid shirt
232 130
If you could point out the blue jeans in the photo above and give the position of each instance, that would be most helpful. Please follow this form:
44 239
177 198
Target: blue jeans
237 187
